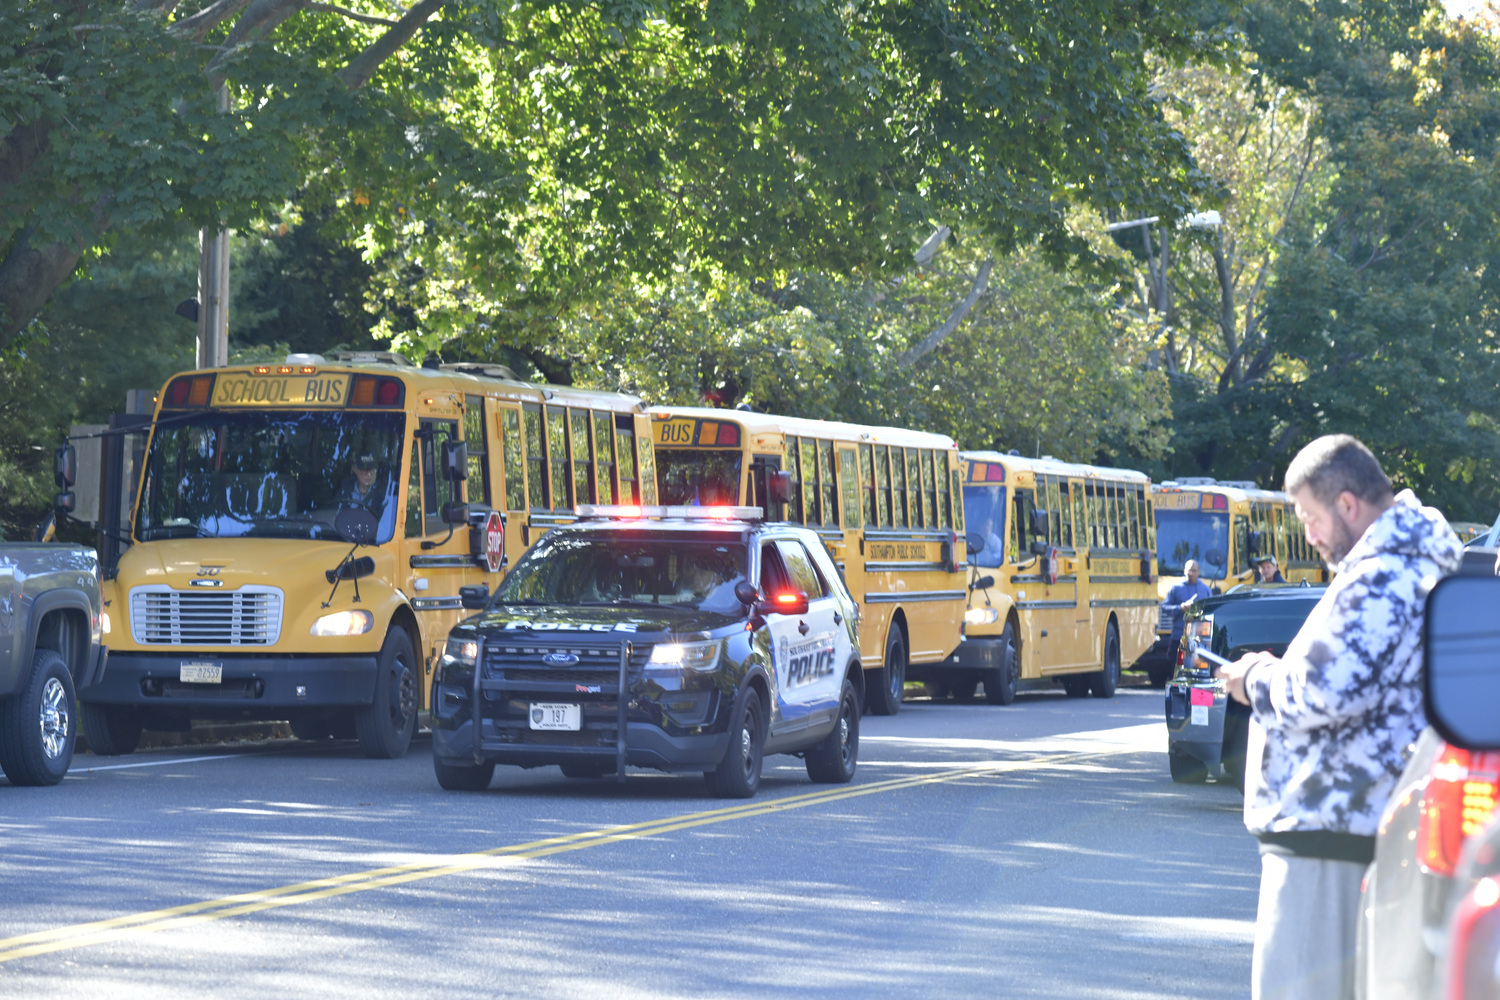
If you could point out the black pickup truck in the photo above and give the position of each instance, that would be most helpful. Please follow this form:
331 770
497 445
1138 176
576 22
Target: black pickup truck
49 648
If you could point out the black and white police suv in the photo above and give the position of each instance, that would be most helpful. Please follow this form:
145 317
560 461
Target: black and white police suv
676 638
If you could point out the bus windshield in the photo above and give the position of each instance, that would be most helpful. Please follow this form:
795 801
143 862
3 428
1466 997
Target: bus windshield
566 568
269 474
1202 535
700 477
984 514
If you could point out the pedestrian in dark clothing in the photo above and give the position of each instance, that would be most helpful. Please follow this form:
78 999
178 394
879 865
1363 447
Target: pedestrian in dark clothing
1331 716
1180 596
1267 571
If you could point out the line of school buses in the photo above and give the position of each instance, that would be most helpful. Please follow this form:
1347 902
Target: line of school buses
239 597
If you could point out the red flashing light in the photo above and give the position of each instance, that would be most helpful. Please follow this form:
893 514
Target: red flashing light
729 434
389 393
1460 796
787 598
630 511
722 513
177 392
190 390
1221 503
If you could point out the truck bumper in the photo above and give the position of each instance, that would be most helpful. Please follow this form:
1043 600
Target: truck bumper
646 745
1199 734
252 686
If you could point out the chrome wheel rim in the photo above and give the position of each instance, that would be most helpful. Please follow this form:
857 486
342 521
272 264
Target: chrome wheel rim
54 718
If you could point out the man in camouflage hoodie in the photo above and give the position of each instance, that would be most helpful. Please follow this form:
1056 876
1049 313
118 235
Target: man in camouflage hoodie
1334 715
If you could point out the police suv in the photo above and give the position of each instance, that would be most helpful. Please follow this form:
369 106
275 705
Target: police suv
675 638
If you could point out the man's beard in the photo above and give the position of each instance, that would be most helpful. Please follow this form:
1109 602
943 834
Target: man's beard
1339 545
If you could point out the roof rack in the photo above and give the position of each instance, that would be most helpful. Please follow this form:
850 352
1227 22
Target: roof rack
481 368
631 512
1198 481
374 358
1239 484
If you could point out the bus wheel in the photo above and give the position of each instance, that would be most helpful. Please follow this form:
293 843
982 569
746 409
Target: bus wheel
111 730
885 696
1103 684
1000 683
385 725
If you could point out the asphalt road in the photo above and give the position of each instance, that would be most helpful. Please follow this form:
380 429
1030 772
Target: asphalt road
1038 850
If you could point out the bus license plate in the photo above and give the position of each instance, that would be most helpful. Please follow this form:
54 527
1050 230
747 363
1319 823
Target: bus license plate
550 716
201 673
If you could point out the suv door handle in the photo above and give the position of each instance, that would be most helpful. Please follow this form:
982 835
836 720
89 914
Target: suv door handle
802 627
838 619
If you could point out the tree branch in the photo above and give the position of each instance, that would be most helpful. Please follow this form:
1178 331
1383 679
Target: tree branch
981 281
259 20
197 27
363 66
328 8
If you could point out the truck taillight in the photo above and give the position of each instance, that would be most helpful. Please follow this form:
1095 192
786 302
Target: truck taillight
1474 944
1459 797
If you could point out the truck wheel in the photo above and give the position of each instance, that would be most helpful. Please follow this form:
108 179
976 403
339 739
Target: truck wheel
112 730
38 726
1103 684
1186 770
1000 683
462 777
738 774
385 725
885 695
832 762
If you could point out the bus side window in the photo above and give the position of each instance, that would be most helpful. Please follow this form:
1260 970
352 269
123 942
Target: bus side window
436 490
604 461
476 441
1241 543
867 481
919 511
557 457
1132 516
826 486
1065 513
955 497
883 486
414 492
812 511
899 499
510 442
581 457
630 489
1148 506
1020 538
536 459
1095 512
1080 521
849 486
793 465
647 464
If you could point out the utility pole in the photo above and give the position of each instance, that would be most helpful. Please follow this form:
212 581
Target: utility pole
213 285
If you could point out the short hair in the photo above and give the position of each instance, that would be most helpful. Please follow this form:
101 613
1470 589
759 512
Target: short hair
1336 464
1191 564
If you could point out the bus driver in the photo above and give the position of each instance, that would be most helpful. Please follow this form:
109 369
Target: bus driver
360 487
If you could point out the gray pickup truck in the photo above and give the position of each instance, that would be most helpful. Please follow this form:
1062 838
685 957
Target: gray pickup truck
49 648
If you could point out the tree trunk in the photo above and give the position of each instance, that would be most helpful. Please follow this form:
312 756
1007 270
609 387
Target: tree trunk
29 274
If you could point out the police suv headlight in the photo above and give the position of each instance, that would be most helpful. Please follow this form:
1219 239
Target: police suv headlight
344 623
981 616
461 652
686 655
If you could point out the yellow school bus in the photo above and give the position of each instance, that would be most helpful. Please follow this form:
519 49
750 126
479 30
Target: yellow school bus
1225 525
1062 586
306 534
885 501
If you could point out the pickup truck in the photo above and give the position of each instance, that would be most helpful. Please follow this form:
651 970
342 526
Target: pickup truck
50 620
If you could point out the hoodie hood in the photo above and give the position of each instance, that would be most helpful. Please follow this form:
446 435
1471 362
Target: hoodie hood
1410 530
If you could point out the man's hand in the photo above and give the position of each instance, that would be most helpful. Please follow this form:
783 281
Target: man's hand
1234 674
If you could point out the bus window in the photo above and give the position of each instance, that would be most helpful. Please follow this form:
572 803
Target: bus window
954 492
436 490
1021 537
1065 514
475 439
604 444
557 457
870 487
929 490
883 486
793 465
536 460
1148 515
914 488
646 461
1132 516
984 510
1241 543
900 500
581 455
515 478
812 512
1096 516
414 499
940 477
827 505
1080 520
849 486
630 492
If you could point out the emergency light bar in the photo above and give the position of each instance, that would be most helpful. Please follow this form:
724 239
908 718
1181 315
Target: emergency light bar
632 512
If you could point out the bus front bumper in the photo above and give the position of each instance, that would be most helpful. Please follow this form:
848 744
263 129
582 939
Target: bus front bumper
980 654
249 686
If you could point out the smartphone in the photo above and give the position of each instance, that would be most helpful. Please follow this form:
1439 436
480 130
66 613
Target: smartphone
1213 658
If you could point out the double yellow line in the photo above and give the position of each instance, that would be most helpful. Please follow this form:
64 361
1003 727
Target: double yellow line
175 917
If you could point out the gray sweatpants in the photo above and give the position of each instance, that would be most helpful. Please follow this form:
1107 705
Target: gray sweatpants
1305 929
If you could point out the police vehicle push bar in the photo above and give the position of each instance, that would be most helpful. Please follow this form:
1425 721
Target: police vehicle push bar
631 512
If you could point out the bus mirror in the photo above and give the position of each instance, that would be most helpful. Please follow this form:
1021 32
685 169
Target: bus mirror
455 513
975 543
1040 522
475 596
455 462
1462 675
983 583
1039 548
356 524
1252 543
65 502
1146 575
779 486
746 594
1214 557
65 466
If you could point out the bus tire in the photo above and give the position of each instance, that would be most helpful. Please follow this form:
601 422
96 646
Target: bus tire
885 695
1104 683
385 725
738 774
111 730
1000 683
832 762
462 777
38 724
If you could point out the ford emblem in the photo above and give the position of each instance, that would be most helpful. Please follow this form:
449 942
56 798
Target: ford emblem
560 659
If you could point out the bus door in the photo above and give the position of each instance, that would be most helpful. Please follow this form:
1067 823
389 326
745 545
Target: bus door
439 560
1048 610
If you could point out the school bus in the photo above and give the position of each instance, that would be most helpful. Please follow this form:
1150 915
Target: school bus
1063 588
305 535
1224 525
886 502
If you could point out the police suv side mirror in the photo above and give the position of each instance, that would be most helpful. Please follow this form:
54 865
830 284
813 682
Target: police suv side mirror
455 462
1462 675
746 594
788 602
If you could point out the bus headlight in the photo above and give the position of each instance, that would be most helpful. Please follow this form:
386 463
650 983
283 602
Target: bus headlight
981 616
104 622
344 623
685 655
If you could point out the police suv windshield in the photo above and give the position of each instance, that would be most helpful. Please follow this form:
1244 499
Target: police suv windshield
630 569
269 474
1182 535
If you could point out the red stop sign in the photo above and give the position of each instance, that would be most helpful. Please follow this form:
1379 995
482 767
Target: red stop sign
494 541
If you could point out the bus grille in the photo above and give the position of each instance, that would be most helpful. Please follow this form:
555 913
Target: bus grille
161 616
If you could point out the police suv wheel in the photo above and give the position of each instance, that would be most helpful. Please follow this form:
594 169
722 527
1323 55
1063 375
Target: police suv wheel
738 774
386 724
38 725
833 761
457 777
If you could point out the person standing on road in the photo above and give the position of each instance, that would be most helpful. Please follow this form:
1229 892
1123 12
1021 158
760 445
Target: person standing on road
1266 571
1178 599
1332 716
